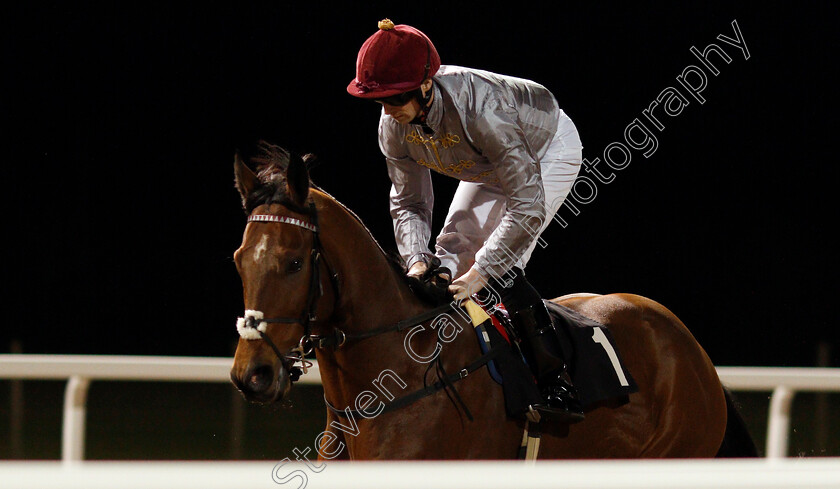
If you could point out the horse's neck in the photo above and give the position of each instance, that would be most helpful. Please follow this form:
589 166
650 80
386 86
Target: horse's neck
371 288
372 294
367 374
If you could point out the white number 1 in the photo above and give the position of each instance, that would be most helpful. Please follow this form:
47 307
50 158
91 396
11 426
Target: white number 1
599 337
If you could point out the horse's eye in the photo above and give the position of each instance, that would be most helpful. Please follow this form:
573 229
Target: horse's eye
295 265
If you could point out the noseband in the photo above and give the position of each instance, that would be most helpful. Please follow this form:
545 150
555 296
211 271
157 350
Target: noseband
254 322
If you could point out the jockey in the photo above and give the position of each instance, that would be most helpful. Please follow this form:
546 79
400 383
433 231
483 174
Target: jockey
516 154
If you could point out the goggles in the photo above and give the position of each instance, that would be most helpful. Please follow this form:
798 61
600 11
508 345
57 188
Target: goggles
400 99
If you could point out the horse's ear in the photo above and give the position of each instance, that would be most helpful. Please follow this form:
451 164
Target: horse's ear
246 180
297 180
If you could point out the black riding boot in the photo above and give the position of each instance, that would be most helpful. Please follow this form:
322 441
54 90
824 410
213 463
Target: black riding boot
541 348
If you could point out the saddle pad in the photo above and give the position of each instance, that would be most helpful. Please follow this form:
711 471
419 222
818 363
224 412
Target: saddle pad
593 360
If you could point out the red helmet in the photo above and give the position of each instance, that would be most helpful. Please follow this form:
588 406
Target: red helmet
396 59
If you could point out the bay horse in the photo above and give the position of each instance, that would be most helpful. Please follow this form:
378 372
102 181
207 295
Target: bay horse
314 278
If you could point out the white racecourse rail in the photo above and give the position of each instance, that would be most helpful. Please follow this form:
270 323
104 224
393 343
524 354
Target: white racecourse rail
814 473
80 370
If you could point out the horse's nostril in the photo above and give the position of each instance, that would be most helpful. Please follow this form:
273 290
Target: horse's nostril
260 379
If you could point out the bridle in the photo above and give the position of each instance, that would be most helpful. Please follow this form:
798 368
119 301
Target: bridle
308 342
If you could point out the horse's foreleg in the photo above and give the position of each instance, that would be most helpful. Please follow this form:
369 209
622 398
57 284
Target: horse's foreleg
331 442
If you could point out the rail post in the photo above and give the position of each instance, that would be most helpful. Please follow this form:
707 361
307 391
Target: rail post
73 427
778 426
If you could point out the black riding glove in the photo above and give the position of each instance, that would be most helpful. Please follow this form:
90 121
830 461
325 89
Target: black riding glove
433 285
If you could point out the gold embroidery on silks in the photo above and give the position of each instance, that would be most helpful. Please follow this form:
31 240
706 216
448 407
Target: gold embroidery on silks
456 168
462 164
427 164
480 177
447 141
415 138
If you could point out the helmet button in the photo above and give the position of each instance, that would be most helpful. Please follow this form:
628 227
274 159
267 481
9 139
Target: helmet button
385 24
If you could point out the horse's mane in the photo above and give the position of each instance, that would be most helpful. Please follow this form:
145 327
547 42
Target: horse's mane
271 163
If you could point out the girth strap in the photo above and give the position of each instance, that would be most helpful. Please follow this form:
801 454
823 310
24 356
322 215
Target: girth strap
446 381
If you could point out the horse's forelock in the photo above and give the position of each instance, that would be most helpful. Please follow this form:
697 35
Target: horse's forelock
266 193
271 163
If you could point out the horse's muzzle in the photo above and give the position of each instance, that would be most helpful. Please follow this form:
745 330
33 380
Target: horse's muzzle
262 383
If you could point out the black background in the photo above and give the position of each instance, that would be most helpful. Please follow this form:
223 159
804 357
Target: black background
121 123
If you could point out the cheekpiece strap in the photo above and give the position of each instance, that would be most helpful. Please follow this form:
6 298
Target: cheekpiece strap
282 219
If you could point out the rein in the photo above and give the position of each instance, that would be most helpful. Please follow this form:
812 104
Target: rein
445 381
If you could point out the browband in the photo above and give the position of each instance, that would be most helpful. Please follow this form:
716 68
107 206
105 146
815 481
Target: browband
282 219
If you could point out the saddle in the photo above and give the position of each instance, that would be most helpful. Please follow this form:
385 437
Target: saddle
594 362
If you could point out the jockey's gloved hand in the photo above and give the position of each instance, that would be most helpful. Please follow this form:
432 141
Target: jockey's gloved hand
430 281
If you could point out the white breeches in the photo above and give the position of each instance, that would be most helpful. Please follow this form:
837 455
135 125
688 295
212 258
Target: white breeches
477 208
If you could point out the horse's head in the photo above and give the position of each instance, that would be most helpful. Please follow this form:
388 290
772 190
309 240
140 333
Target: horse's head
280 263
